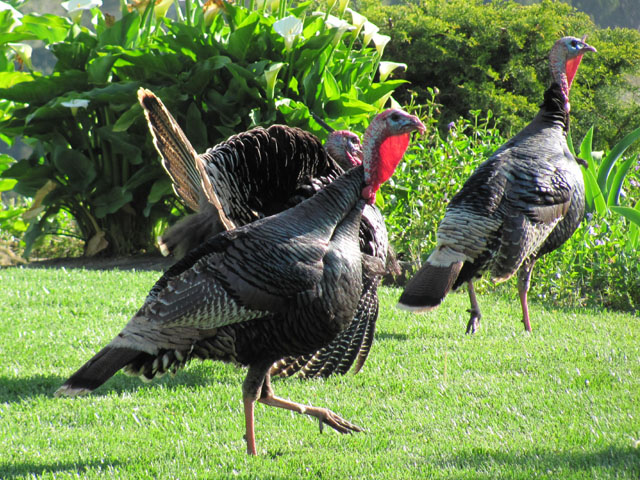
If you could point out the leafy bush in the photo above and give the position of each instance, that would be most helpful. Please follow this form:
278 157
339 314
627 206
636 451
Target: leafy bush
494 56
220 68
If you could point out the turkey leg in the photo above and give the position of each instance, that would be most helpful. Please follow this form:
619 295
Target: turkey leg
524 280
323 415
474 321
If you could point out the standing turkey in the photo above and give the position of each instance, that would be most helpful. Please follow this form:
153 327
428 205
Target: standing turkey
283 285
258 173
526 200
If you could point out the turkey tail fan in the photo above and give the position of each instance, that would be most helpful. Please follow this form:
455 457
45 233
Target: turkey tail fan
98 370
428 287
179 158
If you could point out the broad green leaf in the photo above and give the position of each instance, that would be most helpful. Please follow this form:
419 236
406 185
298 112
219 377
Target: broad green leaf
570 144
123 32
40 89
330 86
586 149
48 28
7 184
111 201
631 214
618 179
240 41
144 175
121 143
613 156
127 118
195 128
379 90
75 166
594 197
99 68
160 188
9 79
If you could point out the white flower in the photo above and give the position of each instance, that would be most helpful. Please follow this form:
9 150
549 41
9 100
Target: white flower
358 20
380 41
290 28
160 8
23 52
368 30
75 104
76 7
387 67
335 22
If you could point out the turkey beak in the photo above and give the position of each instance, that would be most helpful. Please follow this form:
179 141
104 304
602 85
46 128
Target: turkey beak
587 48
414 123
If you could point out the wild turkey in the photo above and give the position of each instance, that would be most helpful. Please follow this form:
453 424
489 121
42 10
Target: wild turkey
526 200
283 285
258 173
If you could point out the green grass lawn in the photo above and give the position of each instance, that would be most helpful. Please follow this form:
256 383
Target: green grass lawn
561 403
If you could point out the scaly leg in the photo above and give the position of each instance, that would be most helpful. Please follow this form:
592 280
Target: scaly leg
322 414
251 391
474 321
524 280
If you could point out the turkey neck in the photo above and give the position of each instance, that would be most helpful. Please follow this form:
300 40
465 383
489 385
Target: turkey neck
552 109
329 206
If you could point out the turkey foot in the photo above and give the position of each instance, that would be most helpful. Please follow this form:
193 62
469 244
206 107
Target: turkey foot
474 321
324 415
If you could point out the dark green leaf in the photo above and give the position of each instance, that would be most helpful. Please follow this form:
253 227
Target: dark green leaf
111 202
75 167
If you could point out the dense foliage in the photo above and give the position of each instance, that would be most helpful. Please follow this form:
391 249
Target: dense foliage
220 68
493 56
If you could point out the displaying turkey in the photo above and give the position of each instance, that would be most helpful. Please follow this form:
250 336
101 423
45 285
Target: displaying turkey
261 172
526 200
283 285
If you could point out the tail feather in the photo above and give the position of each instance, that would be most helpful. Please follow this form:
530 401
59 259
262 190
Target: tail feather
428 287
179 158
98 370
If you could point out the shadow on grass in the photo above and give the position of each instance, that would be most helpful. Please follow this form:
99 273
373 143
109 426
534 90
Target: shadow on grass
532 463
18 389
21 470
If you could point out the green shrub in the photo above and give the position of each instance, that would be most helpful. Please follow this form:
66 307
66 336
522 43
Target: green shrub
221 70
493 56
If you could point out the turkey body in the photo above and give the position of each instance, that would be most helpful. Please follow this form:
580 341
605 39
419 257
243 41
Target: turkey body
525 201
259 173
284 285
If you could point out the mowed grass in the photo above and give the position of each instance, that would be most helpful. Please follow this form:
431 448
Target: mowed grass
563 402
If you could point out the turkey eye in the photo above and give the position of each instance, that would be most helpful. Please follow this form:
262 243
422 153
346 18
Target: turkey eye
395 117
574 43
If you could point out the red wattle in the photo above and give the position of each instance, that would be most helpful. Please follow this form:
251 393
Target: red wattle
571 67
391 152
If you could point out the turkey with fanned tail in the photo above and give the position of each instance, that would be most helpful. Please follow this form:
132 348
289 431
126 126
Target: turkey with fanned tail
261 172
525 201
283 285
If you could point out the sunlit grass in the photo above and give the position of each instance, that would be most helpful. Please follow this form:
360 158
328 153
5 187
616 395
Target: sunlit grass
559 403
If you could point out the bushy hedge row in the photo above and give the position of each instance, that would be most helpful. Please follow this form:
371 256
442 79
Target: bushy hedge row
493 56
